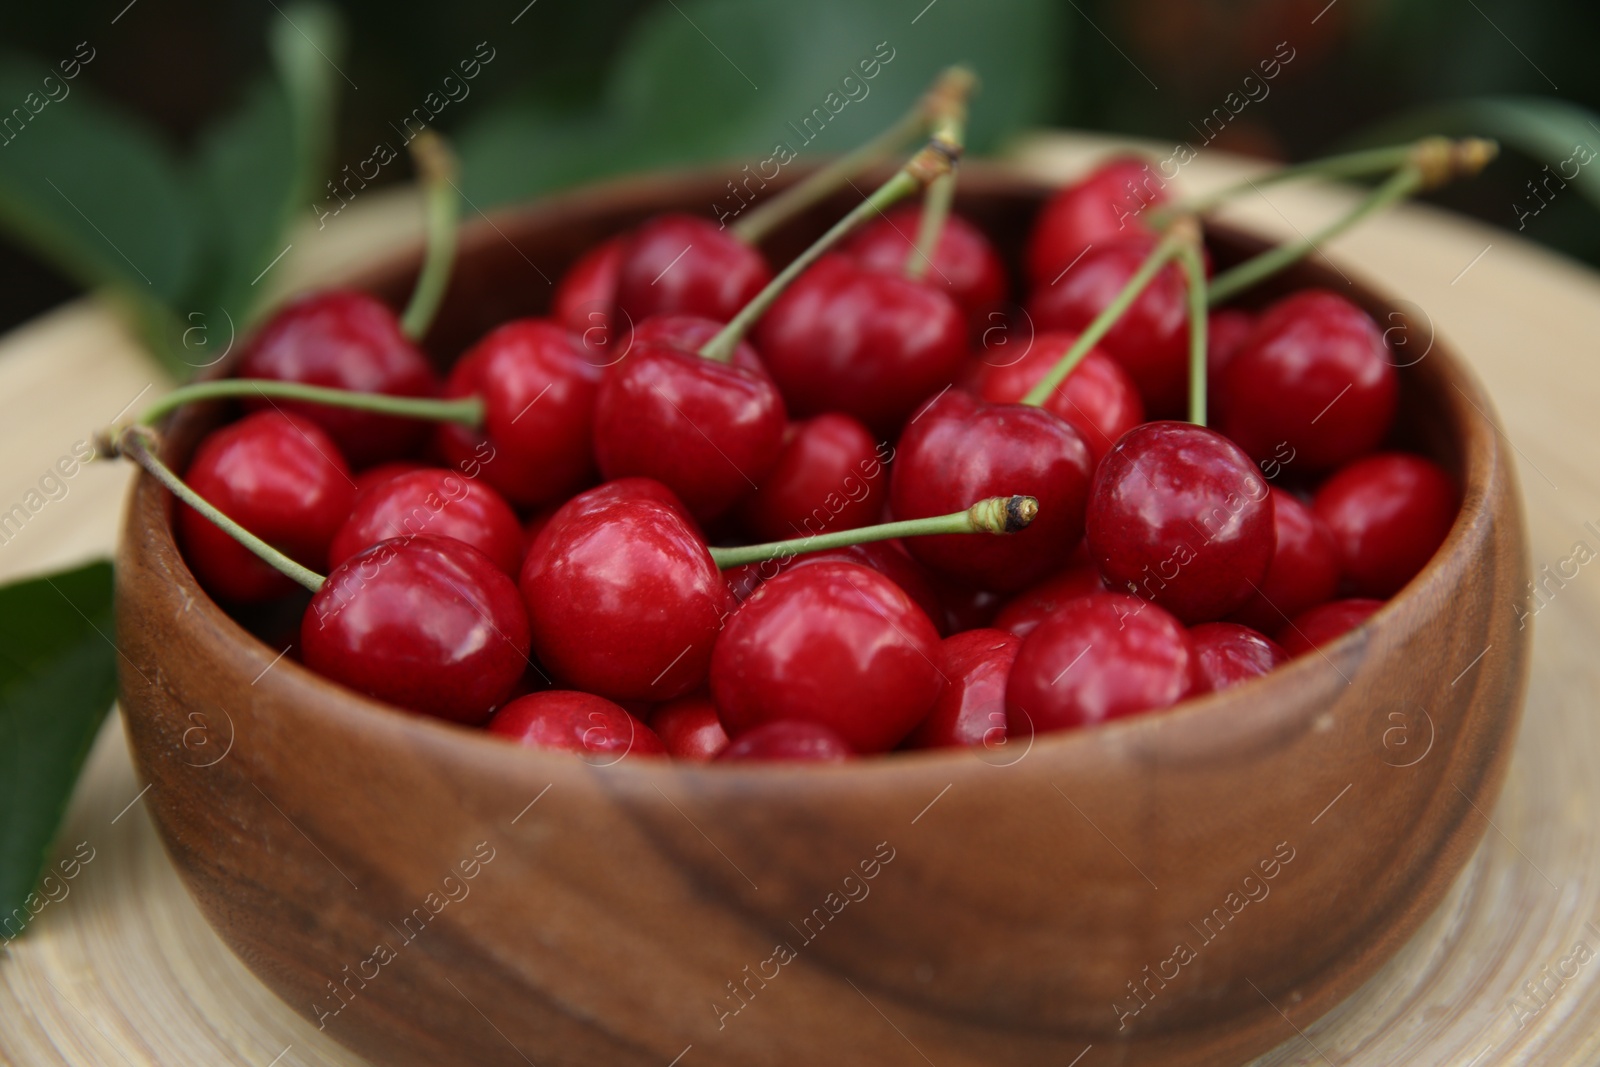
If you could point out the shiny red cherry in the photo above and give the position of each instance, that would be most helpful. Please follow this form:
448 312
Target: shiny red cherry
1098 658
538 385
1098 399
971 710
1104 206
1150 340
1179 515
376 476
1324 624
1227 654
1029 608
425 623
965 262
959 450
1304 571
788 741
587 291
561 720
680 263
280 477
869 344
344 339
1387 514
623 597
690 729
832 643
439 503
828 476
1315 373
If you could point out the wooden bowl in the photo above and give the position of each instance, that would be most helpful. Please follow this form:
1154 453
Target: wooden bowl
1185 887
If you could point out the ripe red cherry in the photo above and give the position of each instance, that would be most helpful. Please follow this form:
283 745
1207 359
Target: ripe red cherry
680 263
1032 606
869 344
1316 374
828 476
831 643
561 720
1099 657
1304 571
623 598
971 710
788 741
1180 515
280 477
344 339
1388 514
1324 624
1098 398
586 293
1227 654
958 450
424 623
439 503
965 262
1151 340
376 476
689 728
1104 206
538 386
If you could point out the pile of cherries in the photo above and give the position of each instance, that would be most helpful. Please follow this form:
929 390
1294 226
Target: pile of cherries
542 563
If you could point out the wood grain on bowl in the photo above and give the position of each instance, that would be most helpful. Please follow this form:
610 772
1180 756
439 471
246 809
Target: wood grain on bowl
1166 889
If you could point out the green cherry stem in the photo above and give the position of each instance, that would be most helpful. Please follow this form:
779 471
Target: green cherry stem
1170 246
992 515
138 443
932 160
950 129
1194 268
468 411
436 165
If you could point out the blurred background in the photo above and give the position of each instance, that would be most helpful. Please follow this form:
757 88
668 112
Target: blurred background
161 146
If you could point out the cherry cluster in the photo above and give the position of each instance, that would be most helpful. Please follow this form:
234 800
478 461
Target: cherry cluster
541 543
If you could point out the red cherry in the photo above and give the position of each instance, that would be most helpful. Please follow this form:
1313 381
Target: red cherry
1180 515
561 720
538 388
1150 340
1104 206
680 263
586 293
1227 329
1304 571
344 339
690 729
831 643
1316 374
280 477
788 741
1388 514
1098 658
690 333
424 623
869 344
376 476
828 476
439 503
623 597
965 262
1029 608
971 710
1098 399
1324 624
958 450
1227 654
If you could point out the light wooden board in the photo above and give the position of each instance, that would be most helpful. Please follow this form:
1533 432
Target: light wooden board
123 970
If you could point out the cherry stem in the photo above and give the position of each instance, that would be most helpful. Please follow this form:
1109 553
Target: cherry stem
931 161
992 515
953 83
468 411
950 129
1169 247
436 165
1400 185
1194 268
136 443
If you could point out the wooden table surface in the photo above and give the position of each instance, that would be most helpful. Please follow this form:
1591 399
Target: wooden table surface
124 971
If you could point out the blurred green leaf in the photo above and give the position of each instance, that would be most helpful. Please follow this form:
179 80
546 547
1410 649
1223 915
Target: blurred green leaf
58 678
